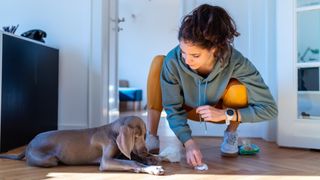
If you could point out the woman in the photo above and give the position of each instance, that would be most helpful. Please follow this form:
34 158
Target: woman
195 77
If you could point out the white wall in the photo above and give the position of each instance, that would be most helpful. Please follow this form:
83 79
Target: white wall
150 28
67 24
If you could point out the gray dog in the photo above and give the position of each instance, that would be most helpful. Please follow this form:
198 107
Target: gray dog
105 145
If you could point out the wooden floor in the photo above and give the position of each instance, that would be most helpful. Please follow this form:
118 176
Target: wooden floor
272 162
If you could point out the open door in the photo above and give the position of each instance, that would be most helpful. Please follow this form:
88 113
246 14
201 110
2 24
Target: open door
103 68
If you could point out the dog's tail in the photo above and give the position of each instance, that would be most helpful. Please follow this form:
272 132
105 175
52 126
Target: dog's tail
13 156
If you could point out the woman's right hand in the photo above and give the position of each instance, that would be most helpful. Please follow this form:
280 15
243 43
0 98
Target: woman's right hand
193 153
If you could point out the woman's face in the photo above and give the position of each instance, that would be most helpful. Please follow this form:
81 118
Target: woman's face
196 57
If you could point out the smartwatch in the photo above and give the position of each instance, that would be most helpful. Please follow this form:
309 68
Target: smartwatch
229 114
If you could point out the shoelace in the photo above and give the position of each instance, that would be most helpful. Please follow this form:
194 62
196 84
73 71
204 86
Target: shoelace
232 139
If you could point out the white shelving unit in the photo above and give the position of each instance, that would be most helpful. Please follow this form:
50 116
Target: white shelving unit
298 32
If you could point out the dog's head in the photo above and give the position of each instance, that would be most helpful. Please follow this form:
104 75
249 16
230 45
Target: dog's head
131 136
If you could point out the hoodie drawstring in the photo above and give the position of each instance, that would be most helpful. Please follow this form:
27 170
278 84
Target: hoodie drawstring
200 102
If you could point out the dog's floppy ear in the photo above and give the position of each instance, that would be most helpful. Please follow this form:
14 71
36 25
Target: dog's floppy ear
125 140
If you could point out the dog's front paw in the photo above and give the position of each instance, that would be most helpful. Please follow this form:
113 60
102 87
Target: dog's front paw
155 170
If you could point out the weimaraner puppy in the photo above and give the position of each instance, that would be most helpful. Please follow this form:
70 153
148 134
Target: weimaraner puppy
105 145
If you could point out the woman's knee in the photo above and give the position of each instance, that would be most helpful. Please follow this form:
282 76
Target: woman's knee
235 95
154 96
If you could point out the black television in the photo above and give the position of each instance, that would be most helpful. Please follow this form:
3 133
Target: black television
29 90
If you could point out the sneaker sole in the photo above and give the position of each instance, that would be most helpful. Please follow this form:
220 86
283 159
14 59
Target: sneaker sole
229 154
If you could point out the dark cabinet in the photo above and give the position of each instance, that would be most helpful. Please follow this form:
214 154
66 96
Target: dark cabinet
29 90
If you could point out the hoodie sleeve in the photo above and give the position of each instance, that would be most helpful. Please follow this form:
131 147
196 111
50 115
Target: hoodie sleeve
261 103
172 100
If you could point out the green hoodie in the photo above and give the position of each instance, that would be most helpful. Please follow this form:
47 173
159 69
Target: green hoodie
181 85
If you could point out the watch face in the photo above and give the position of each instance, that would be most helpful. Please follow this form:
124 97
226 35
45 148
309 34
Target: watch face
230 112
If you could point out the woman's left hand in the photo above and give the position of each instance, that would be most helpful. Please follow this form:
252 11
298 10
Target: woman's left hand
210 113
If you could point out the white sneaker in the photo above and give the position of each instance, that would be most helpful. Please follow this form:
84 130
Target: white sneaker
229 146
152 143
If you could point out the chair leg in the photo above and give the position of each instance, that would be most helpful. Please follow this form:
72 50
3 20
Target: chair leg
139 105
135 105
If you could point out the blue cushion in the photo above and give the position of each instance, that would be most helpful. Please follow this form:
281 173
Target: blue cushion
130 94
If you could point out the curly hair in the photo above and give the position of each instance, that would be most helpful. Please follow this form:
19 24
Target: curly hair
209 27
